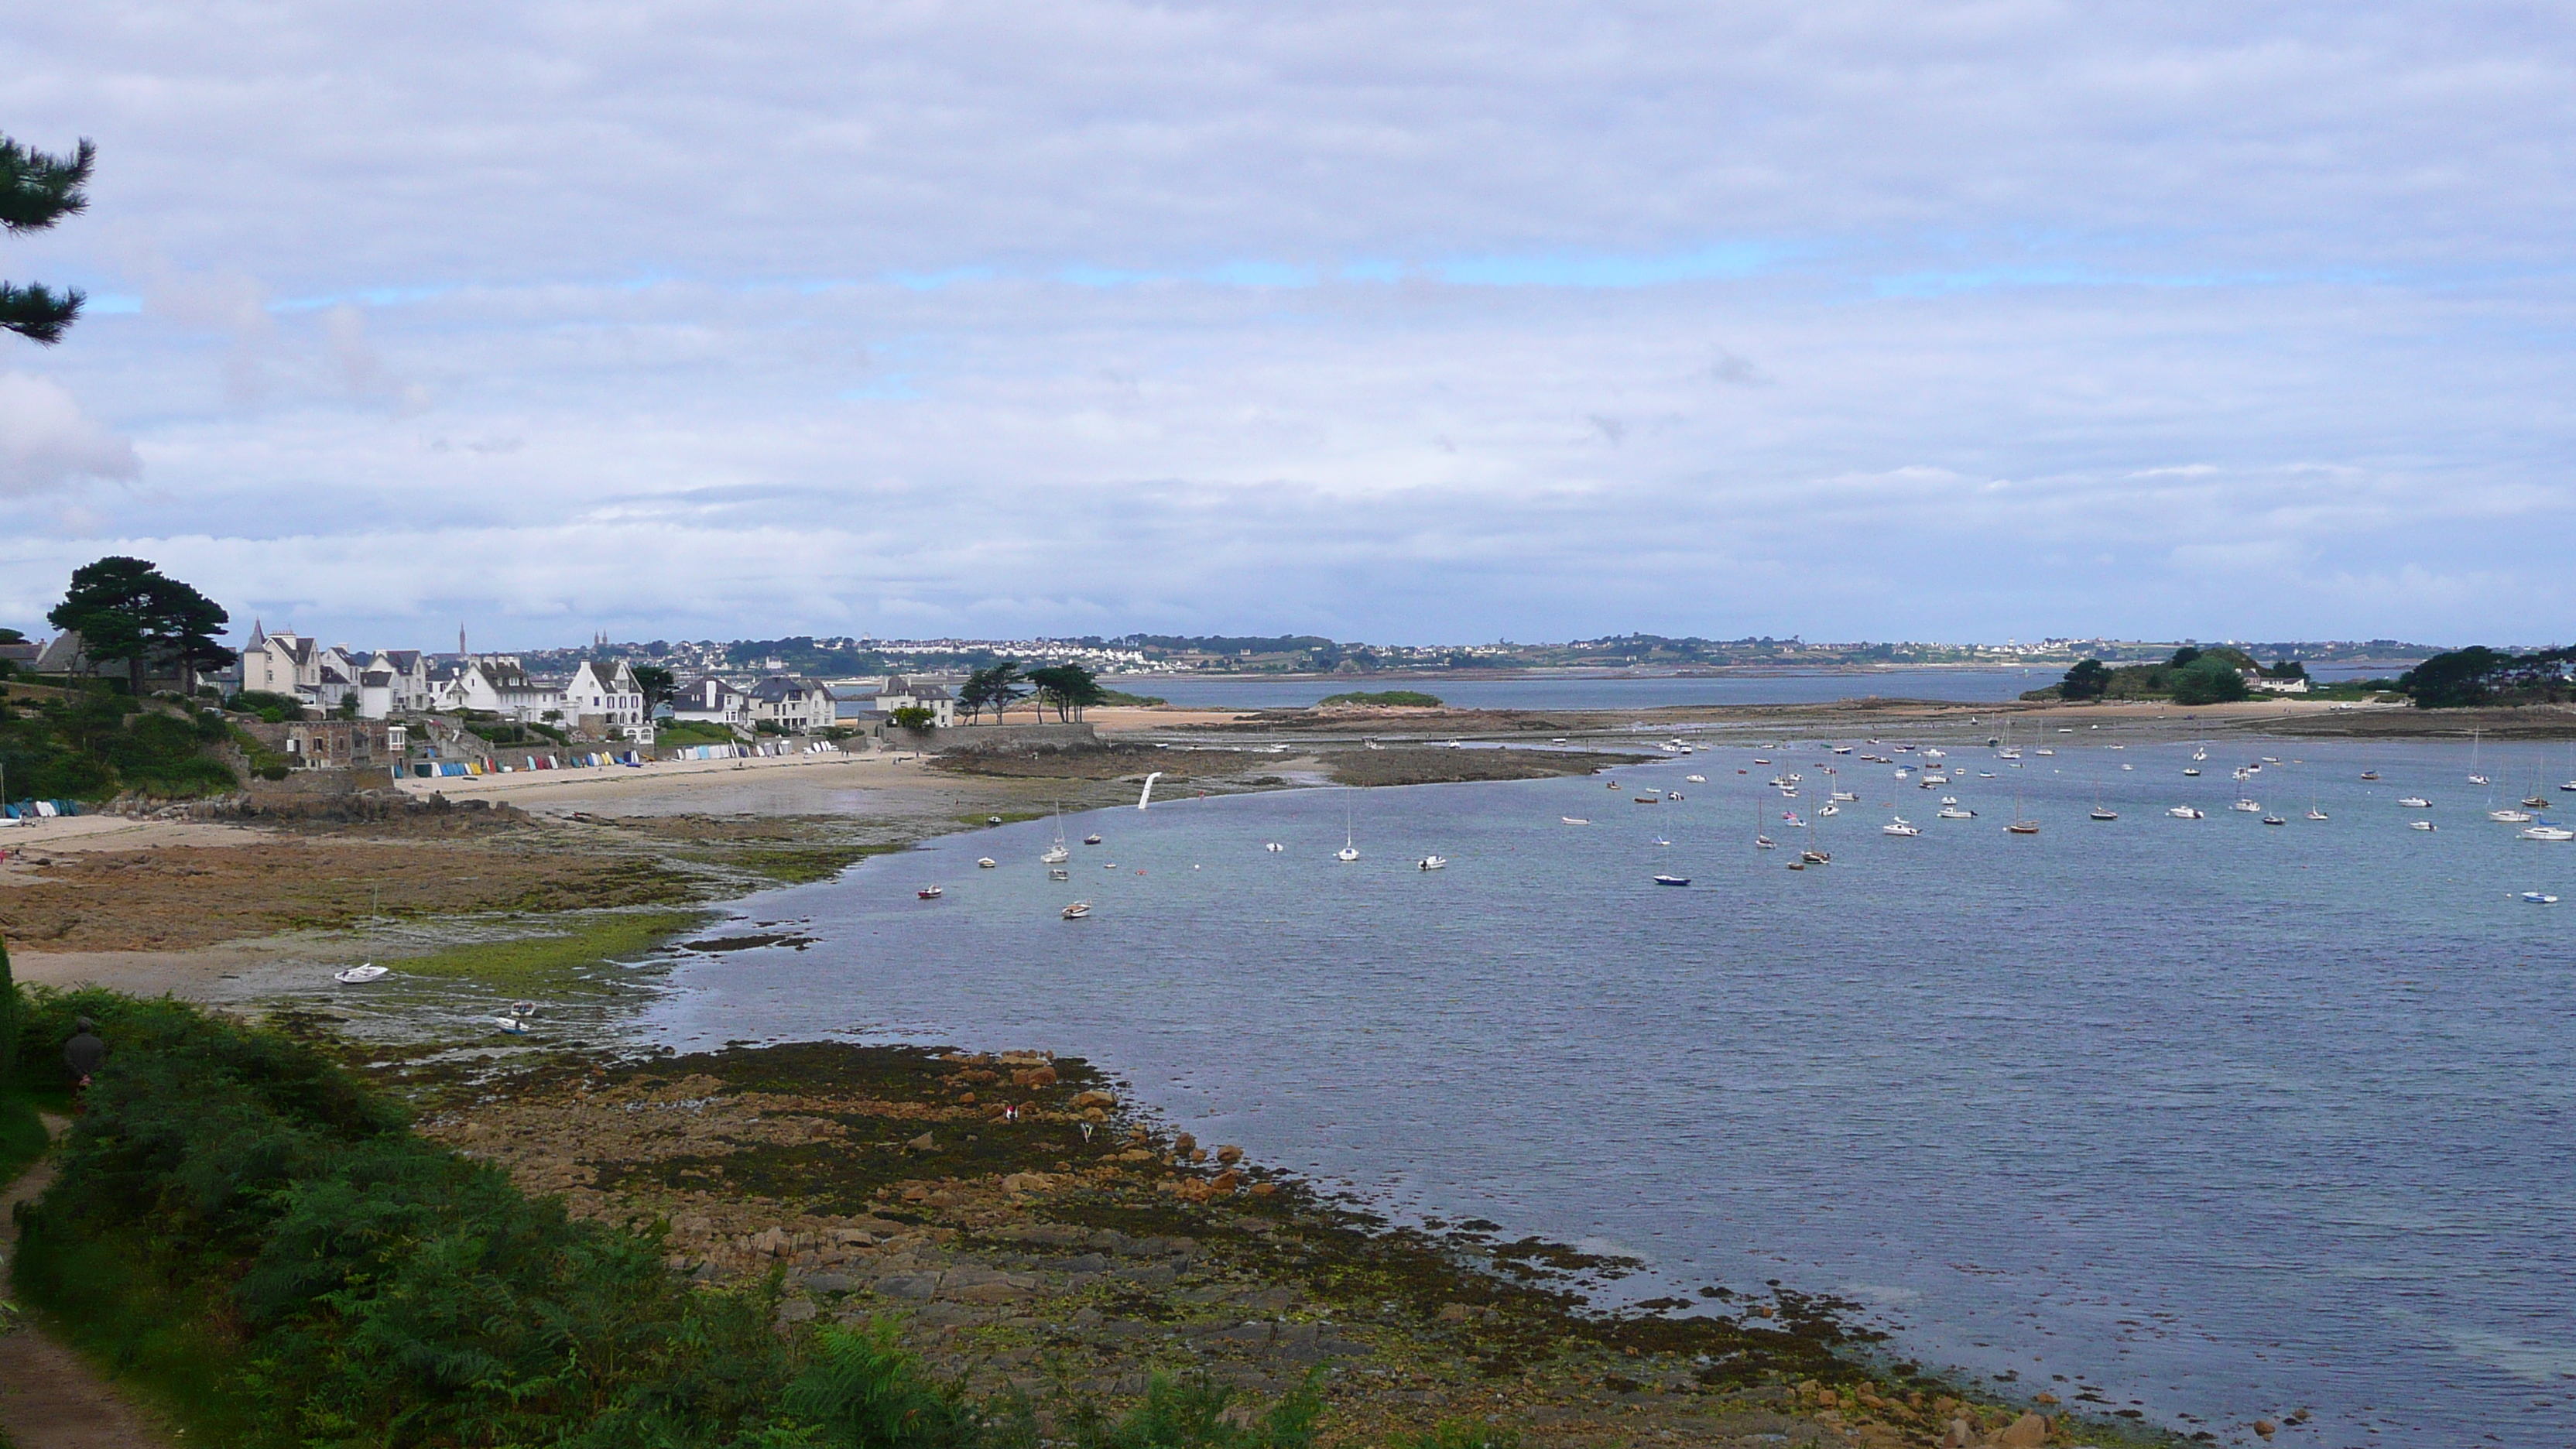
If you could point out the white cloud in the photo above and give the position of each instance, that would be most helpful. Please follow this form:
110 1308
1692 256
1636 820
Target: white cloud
1386 321
46 440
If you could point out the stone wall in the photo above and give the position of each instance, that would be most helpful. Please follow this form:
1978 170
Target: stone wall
984 739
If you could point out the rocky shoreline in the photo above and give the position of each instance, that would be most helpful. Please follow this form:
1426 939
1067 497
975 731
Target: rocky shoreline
1034 1232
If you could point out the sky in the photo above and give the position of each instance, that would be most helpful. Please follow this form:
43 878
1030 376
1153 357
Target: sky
1432 322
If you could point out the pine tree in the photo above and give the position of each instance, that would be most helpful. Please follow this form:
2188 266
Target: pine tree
37 190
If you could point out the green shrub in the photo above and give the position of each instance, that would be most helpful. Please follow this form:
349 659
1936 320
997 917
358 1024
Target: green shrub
1191 1415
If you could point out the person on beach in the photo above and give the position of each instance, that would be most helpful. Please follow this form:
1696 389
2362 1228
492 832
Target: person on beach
82 1056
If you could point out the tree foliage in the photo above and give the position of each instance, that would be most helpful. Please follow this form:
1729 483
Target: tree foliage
2477 675
124 608
994 687
2089 679
1070 688
657 684
37 190
2208 679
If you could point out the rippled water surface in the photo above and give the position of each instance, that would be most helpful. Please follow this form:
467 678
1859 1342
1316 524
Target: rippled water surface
2210 1118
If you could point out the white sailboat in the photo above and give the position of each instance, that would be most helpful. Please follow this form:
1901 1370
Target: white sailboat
2474 777
1349 851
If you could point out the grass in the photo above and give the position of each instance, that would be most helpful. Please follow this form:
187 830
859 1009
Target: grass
537 962
802 865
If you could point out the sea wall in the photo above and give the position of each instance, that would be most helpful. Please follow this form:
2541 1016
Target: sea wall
991 739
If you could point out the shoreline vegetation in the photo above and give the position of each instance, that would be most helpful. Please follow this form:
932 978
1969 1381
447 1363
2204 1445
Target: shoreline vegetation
834 1216
836 1244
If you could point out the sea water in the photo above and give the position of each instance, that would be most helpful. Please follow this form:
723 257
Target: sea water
2198 1119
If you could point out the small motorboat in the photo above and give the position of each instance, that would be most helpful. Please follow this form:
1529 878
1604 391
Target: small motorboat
1696 779
2274 820
2370 774
1274 847
1954 812
1079 910
1683 880
1572 820
2191 770
1816 857
360 975
1853 795
986 863
1899 826
1672 794
1830 808
1648 799
2510 817
2538 899
1058 872
2247 806
2419 824
1056 855
1432 862
522 1016
2415 802
1109 865
930 893
992 819
2186 812
1092 839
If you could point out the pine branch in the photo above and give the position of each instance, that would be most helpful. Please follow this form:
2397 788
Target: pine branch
37 190
35 313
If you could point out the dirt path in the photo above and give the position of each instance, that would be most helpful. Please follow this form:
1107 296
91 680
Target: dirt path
49 1397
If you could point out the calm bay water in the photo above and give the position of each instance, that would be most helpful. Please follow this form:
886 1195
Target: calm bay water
2210 1118
1559 691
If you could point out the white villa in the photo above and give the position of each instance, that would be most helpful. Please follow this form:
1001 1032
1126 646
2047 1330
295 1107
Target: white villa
494 684
867 703
297 667
605 696
711 701
798 706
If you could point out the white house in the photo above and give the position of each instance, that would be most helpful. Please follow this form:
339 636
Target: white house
2261 685
293 665
866 705
605 697
496 684
711 701
394 681
798 706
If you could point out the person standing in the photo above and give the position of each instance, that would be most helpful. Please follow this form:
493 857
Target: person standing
83 1055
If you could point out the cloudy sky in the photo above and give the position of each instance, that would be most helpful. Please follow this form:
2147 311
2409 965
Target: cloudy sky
1434 321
